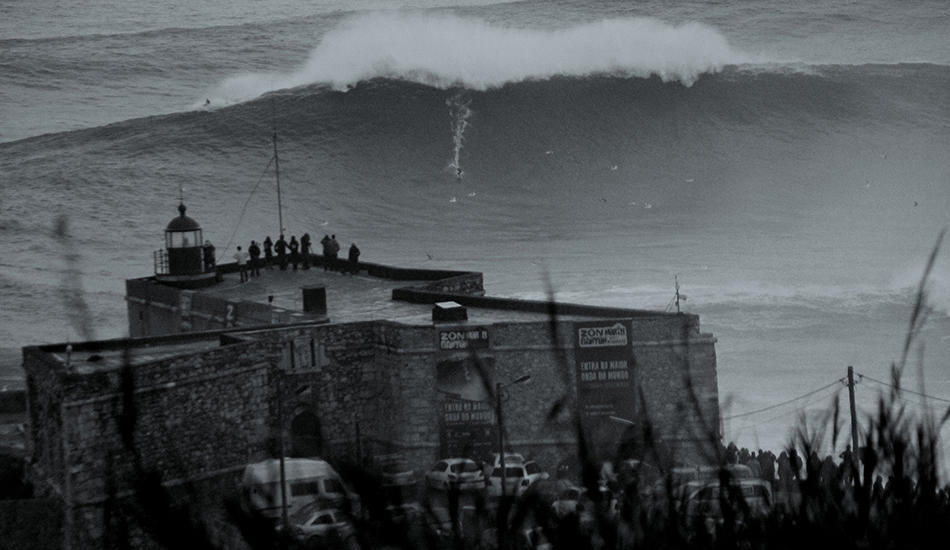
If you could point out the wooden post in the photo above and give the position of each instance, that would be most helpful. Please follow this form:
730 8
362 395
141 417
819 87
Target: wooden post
855 461
502 504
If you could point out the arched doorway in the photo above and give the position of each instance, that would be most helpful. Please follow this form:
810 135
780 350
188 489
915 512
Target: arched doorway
306 439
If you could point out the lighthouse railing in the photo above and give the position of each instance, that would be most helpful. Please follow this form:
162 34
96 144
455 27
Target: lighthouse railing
161 262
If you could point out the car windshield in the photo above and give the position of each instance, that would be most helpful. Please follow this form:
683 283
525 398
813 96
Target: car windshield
740 471
464 467
514 471
333 485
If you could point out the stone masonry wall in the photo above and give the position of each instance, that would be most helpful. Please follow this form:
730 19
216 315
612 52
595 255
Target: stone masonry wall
204 414
332 373
681 393
195 415
44 394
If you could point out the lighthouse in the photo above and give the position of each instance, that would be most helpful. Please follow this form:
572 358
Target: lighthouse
187 261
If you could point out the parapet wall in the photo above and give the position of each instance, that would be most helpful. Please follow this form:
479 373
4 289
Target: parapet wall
156 309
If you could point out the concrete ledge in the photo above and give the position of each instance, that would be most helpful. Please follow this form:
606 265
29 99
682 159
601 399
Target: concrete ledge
419 295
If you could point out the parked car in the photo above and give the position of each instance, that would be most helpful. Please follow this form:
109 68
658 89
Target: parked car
307 480
705 498
393 470
517 478
460 473
316 526
680 478
494 460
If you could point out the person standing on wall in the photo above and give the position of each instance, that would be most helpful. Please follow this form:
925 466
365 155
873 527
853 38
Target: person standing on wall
209 257
334 253
268 252
255 251
294 251
354 258
241 257
325 241
305 250
281 248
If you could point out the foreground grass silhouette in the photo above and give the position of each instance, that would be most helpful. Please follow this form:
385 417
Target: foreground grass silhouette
812 508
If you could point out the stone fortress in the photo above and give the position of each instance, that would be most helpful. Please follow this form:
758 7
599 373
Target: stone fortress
217 374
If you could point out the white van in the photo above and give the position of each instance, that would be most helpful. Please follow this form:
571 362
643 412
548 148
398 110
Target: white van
307 480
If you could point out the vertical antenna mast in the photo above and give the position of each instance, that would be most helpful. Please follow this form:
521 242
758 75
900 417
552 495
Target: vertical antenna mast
280 212
678 296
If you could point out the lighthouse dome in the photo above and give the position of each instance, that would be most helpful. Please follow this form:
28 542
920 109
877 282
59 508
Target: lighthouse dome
182 222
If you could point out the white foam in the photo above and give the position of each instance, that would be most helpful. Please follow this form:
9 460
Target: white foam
937 286
450 51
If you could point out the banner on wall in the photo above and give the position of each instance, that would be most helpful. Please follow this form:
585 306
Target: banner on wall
466 338
467 426
603 355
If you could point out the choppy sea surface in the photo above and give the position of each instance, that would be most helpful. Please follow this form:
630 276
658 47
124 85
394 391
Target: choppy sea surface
784 162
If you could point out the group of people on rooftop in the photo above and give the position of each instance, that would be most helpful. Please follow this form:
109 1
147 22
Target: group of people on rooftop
294 253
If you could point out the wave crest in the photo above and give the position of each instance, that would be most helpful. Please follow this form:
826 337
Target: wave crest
451 51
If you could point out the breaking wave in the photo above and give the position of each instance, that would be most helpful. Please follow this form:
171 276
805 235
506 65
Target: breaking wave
449 51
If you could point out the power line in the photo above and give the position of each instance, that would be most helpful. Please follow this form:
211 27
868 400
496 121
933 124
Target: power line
904 389
237 224
785 415
839 381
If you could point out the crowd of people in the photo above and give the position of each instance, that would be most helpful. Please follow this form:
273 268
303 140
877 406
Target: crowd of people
787 469
293 254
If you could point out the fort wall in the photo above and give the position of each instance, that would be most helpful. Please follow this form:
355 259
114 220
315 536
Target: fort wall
195 407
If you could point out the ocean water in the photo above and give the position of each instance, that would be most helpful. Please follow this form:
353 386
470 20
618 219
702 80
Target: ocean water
785 162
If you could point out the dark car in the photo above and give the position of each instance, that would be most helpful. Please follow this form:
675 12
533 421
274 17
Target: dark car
394 470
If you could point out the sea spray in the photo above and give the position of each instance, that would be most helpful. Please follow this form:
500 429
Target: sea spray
460 112
450 51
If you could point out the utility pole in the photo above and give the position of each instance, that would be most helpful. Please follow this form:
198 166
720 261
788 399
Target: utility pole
854 426
283 471
502 504
501 437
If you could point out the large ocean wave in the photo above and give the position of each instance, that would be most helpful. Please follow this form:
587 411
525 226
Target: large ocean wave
799 153
447 51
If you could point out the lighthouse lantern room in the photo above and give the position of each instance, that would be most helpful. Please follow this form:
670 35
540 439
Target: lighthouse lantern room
187 261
